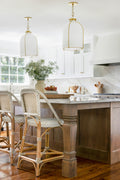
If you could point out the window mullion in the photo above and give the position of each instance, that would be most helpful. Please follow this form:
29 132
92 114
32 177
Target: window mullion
10 67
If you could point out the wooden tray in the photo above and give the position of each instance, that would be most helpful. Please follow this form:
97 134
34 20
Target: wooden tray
57 96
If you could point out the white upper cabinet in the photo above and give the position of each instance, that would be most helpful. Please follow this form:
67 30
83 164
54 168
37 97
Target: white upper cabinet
78 64
60 61
71 64
88 67
83 65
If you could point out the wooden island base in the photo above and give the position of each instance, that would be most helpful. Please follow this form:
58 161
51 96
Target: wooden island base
90 129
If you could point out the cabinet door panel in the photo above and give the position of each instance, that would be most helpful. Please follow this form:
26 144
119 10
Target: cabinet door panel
82 63
69 64
60 61
88 67
79 64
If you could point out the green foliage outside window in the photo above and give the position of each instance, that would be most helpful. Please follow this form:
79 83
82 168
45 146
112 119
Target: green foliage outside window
21 62
4 79
13 79
4 70
20 79
12 69
21 71
13 61
5 60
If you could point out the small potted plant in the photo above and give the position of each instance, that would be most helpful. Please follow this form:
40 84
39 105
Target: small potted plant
39 71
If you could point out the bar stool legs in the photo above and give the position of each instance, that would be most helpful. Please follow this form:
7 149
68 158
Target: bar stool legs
12 149
36 162
38 157
39 161
6 140
22 144
8 135
21 131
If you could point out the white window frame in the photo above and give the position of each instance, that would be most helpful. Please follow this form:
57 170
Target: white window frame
26 77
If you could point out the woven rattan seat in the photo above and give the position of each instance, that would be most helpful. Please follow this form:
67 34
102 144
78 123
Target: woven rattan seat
46 123
18 119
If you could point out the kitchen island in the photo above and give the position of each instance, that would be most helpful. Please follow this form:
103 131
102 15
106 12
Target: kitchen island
95 124
91 128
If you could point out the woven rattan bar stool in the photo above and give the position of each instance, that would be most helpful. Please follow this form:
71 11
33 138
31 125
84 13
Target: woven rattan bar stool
7 142
31 104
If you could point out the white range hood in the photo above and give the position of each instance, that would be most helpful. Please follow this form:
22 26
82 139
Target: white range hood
106 49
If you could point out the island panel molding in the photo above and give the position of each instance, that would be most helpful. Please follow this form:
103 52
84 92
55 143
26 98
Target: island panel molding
115 133
93 134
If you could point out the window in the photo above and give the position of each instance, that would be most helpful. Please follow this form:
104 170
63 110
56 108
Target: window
12 69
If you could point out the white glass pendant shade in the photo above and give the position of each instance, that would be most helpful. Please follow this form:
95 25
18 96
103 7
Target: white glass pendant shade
73 36
28 45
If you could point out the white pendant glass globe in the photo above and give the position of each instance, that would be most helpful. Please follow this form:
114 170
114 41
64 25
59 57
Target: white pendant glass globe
73 36
28 45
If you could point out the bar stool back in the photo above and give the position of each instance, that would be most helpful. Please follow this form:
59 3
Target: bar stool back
6 117
31 104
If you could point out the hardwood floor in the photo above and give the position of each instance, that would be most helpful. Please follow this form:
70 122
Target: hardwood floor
87 170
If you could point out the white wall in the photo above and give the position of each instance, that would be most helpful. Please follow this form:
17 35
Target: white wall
9 48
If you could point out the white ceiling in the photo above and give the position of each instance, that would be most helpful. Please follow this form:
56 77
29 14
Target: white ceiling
50 16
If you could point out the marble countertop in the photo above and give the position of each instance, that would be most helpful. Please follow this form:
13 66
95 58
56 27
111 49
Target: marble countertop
81 100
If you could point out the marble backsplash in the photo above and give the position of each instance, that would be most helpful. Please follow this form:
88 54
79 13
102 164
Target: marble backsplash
109 76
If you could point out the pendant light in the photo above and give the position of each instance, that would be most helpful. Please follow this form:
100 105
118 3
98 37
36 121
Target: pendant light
73 35
28 42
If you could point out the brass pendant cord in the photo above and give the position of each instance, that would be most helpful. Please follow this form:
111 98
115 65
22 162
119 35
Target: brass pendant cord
73 14
72 10
28 27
